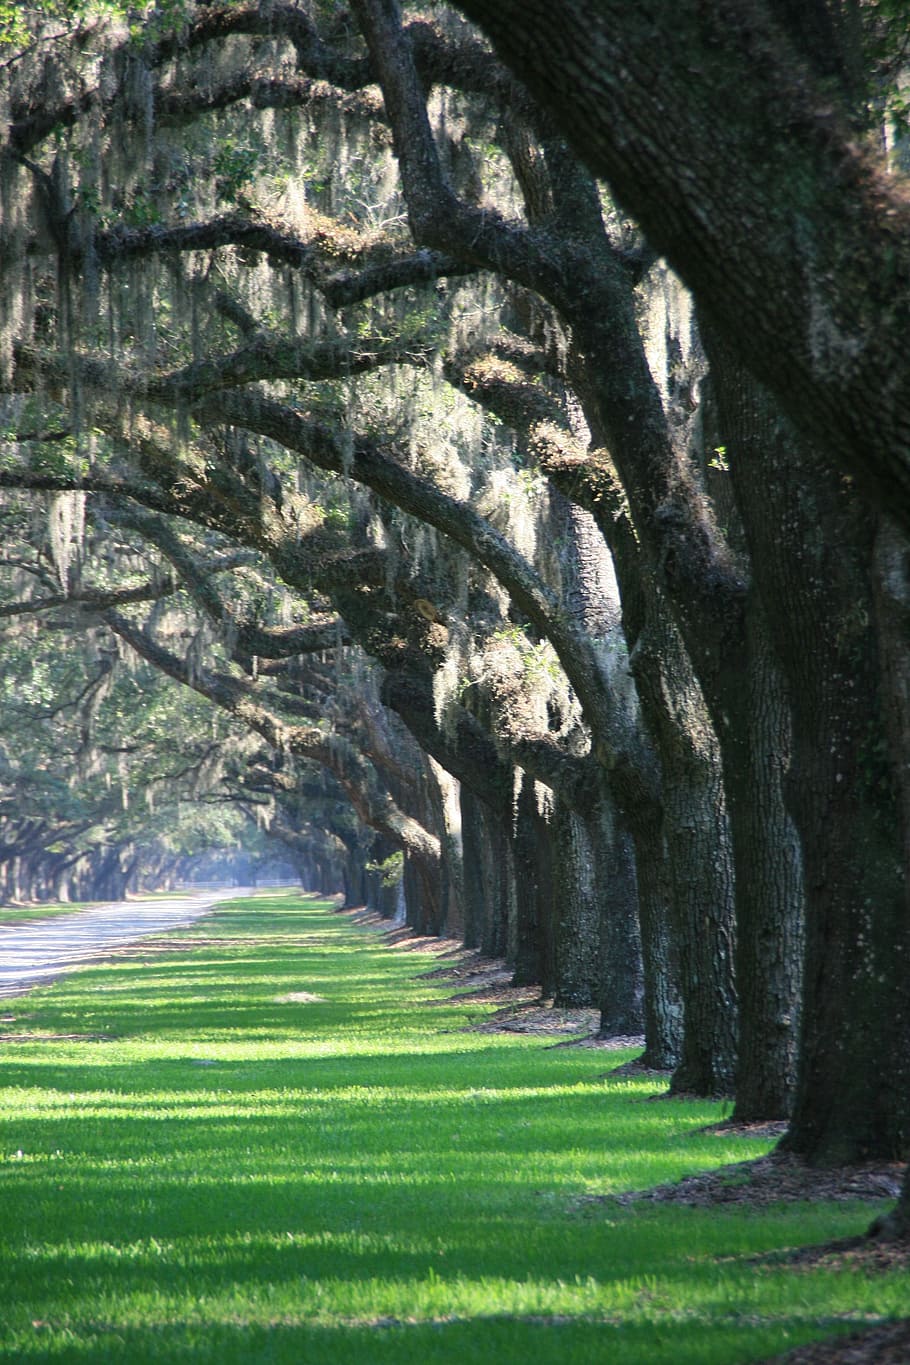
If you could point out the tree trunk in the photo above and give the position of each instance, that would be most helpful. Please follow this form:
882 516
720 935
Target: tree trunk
354 878
698 841
488 880
688 568
424 895
811 543
896 1224
620 987
681 848
741 168
474 890
663 1007
447 811
61 874
581 891
532 933
631 917
769 892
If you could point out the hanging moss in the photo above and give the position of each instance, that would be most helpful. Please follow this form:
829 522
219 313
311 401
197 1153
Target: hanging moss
66 532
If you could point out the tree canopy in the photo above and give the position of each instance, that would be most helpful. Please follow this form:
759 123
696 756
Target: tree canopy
747 141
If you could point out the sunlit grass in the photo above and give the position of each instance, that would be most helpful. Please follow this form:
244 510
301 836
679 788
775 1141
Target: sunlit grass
30 914
217 1172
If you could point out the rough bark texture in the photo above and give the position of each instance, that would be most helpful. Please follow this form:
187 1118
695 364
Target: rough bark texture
718 137
891 592
598 950
899 1219
812 548
449 815
355 882
698 840
488 877
532 932
670 970
581 892
476 905
769 893
683 563
621 993
663 999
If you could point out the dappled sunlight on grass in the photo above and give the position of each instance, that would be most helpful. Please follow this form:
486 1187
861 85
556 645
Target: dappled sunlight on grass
216 1174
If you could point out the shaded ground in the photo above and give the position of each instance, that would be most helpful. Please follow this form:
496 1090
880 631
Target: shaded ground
886 1345
771 1179
777 1178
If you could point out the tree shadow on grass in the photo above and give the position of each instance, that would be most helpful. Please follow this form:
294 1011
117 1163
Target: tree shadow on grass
482 1340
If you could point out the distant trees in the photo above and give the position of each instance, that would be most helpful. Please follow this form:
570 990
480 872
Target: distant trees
108 780
360 410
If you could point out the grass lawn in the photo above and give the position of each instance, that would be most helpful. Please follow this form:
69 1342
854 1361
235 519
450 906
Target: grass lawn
218 1173
31 914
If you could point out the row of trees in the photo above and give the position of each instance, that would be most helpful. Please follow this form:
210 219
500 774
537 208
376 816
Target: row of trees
361 410
93 803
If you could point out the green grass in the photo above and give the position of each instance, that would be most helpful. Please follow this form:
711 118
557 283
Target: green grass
216 1175
30 914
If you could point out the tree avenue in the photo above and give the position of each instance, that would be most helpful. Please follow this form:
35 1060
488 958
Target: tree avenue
371 480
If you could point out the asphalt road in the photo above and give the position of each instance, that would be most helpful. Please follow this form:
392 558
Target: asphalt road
36 953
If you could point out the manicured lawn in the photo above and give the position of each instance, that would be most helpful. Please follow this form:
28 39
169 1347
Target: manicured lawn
31 914
217 1173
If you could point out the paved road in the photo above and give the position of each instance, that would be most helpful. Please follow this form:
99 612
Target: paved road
33 953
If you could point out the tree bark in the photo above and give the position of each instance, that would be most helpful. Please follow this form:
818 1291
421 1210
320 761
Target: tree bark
812 546
599 912
769 890
621 986
720 139
531 936
488 877
580 897
698 840
896 1223
663 997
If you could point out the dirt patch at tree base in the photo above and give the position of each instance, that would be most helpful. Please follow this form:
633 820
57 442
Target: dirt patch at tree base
400 935
488 980
885 1345
524 1010
777 1178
